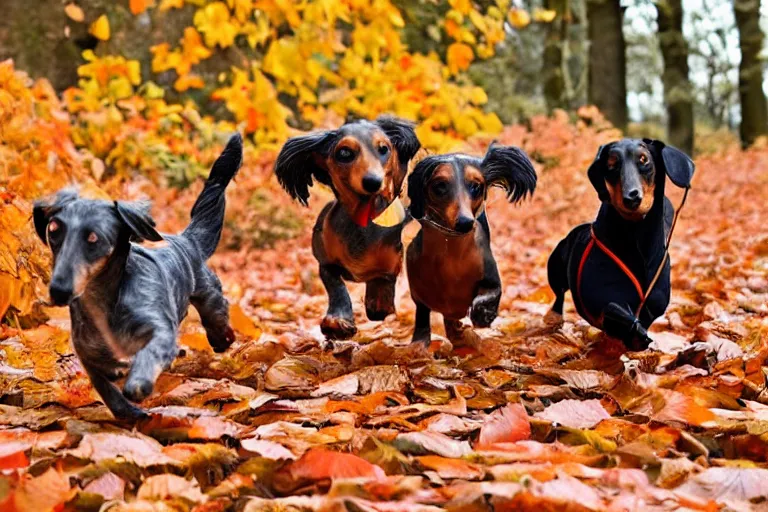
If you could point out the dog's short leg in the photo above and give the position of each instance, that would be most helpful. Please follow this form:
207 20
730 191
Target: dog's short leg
339 321
214 311
121 408
485 305
156 356
557 275
380 298
422 332
459 334
101 367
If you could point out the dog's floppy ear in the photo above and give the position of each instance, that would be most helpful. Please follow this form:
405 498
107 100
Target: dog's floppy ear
596 173
508 167
297 163
44 210
402 135
677 165
417 181
136 217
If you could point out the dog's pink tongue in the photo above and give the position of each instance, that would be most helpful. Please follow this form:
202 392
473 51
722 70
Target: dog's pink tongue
364 214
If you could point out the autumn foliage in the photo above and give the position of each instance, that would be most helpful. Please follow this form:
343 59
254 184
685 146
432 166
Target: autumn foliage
536 419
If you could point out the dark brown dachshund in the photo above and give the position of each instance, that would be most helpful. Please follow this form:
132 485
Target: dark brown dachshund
365 164
450 266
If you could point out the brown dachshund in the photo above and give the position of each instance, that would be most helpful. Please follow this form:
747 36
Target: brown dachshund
365 164
450 266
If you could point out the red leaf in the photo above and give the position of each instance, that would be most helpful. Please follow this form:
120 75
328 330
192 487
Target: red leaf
505 425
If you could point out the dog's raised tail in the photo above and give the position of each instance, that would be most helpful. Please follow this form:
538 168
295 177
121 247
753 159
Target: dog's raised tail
208 211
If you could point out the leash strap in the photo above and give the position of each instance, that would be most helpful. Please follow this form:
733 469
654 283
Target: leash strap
666 254
594 241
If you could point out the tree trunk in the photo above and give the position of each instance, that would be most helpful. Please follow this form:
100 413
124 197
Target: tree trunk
552 68
677 88
607 61
754 113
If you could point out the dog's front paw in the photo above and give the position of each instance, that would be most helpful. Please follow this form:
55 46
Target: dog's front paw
484 310
338 328
137 390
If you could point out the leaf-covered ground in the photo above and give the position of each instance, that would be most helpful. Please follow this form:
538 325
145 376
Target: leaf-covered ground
539 419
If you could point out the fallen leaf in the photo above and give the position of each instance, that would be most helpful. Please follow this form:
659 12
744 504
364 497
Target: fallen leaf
575 413
505 425
726 484
161 487
452 468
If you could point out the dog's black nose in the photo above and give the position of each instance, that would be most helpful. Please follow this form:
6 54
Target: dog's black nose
464 224
632 199
372 183
60 293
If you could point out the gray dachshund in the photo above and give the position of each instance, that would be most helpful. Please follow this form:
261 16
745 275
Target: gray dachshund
126 300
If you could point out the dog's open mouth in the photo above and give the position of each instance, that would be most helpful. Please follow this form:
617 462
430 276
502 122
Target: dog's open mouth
370 207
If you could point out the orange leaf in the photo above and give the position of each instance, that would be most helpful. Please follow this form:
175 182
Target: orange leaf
242 323
74 12
139 6
505 425
320 464
452 468
13 456
459 57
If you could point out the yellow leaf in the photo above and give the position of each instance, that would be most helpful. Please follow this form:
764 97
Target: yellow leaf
519 18
459 57
74 12
392 216
139 6
463 6
215 22
167 5
544 15
477 20
100 28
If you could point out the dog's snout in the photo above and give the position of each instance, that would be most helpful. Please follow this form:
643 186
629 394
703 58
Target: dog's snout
61 293
633 198
372 183
464 224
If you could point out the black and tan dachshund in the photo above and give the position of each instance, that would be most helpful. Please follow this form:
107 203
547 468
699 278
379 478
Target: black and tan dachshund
364 163
451 269
126 300
618 267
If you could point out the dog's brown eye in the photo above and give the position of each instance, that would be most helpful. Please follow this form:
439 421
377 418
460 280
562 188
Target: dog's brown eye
475 190
383 150
643 159
440 189
612 161
345 155
53 226
93 238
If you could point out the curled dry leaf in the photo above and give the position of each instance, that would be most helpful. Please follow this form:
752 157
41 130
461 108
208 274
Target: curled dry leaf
109 486
267 449
161 487
575 413
432 442
134 448
728 484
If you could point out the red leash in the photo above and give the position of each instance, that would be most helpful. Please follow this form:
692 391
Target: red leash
624 268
